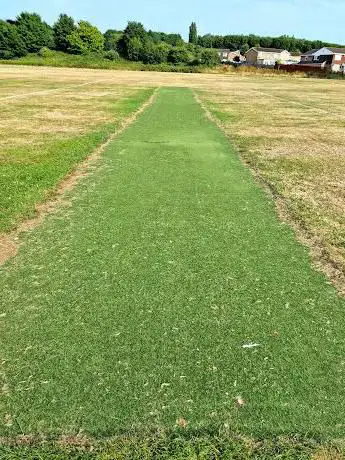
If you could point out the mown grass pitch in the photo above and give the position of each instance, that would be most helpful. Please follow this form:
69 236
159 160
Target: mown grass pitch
169 292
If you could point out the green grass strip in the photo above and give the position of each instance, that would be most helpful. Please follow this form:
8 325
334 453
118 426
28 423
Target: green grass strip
169 290
30 174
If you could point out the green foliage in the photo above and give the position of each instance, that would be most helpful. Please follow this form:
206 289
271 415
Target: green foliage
34 32
132 43
111 39
63 27
112 55
244 48
45 52
179 55
11 44
244 42
86 39
193 33
134 49
209 57
170 39
155 53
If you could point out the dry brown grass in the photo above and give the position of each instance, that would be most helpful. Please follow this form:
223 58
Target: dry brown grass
291 134
54 110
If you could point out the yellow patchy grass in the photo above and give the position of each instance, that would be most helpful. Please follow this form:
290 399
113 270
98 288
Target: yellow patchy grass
42 113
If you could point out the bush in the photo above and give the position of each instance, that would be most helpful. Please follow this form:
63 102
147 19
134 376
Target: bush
112 55
179 55
155 54
209 58
11 44
45 52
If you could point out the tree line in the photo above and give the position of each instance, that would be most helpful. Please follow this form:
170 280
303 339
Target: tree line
28 33
245 42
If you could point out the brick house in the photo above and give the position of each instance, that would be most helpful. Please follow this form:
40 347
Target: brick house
333 58
266 56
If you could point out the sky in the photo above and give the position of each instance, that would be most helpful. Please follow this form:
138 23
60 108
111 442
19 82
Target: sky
311 19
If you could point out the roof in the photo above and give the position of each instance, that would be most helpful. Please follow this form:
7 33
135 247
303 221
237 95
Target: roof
268 50
309 53
336 50
223 50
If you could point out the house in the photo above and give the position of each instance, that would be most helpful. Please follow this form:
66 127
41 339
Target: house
295 58
332 58
226 55
266 56
308 56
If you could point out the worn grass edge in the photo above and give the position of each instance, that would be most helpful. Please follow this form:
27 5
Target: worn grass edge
172 445
10 241
320 257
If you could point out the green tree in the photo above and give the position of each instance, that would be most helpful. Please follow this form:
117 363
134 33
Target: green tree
63 27
11 44
134 49
111 39
131 44
193 34
86 39
244 48
209 57
34 32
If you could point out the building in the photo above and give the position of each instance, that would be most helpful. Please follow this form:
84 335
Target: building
226 55
332 58
308 56
266 56
295 58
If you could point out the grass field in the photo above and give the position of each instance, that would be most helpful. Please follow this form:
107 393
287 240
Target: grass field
168 297
46 128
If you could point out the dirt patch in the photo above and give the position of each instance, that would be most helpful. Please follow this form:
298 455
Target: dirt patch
9 243
8 248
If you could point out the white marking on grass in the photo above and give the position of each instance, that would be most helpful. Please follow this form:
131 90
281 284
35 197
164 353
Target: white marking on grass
250 345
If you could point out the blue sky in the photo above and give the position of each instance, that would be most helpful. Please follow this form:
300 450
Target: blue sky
313 19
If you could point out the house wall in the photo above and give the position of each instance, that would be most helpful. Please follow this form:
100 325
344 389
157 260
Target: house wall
252 56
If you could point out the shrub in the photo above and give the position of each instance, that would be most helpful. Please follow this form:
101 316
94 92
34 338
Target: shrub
112 55
209 57
86 39
11 44
155 54
45 52
179 55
